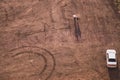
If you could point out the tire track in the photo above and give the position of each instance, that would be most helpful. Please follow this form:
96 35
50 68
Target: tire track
47 56
45 60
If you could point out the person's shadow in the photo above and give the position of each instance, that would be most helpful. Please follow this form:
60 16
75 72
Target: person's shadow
114 73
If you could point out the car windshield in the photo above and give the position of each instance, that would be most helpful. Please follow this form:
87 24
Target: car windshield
112 60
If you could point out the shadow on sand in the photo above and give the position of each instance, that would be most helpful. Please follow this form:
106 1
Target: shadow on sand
114 73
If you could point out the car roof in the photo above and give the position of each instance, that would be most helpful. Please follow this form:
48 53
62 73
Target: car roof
111 53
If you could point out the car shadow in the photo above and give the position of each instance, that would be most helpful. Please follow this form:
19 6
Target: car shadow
114 73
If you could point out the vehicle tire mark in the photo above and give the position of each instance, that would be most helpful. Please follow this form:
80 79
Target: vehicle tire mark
45 57
45 60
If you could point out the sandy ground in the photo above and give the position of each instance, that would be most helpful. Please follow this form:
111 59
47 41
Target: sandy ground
37 40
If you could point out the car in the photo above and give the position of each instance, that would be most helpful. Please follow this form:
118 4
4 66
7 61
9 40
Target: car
111 58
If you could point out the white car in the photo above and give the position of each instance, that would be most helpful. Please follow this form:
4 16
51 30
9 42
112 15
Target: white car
111 58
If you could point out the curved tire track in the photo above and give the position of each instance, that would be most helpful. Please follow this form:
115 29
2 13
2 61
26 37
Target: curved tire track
47 56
